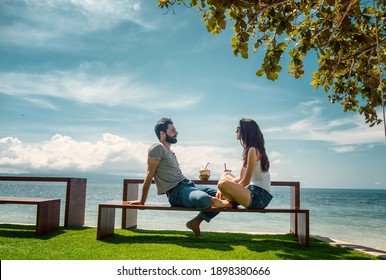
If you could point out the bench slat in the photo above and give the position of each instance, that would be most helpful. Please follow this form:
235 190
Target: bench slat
35 179
24 200
164 206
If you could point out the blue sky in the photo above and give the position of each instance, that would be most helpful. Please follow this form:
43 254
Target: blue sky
82 84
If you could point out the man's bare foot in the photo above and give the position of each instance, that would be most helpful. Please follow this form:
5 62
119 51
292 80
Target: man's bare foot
221 203
194 225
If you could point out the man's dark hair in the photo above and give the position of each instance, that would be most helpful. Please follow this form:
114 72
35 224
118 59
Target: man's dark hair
162 125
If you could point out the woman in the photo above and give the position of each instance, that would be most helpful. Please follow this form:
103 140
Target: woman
252 188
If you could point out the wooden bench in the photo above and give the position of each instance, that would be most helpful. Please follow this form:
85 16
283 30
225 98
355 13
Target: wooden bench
48 211
75 196
299 218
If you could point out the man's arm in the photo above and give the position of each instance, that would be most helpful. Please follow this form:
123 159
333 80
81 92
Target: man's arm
152 164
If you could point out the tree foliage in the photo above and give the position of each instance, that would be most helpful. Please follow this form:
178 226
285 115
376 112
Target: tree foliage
348 38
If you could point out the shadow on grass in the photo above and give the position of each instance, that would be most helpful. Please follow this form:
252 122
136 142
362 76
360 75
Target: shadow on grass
26 232
284 246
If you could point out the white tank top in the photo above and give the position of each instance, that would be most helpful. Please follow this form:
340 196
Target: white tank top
260 178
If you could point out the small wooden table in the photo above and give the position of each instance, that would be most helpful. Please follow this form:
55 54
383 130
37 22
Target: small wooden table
48 211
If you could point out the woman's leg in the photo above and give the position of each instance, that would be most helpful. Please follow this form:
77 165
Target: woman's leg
221 203
235 192
216 202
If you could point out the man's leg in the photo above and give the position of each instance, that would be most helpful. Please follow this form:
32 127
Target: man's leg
192 196
202 199
194 225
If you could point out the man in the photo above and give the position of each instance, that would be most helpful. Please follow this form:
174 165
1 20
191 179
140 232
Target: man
162 165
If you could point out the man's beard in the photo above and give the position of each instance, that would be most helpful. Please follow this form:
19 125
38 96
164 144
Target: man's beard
171 140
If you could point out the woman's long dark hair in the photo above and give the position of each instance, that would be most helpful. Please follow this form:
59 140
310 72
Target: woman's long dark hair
251 136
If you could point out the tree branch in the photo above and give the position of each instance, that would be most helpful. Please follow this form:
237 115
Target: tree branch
268 7
337 25
371 48
351 67
336 65
348 6
363 52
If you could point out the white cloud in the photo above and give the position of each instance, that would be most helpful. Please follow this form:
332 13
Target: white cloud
41 102
42 22
112 155
344 149
65 153
275 158
108 89
345 134
275 154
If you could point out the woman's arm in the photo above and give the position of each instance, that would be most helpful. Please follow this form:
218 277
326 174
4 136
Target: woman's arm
253 157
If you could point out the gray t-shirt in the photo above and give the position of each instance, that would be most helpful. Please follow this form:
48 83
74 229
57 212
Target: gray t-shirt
168 173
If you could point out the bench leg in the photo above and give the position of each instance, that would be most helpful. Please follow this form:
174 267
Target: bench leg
75 202
48 216
304 228
129 216
294 223
294 204
106 221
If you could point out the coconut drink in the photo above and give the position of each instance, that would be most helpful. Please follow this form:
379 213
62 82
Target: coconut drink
204 173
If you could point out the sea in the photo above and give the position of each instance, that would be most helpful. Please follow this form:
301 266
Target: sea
355 216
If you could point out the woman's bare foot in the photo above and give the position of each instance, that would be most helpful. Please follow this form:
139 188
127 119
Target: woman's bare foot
221 203
194 225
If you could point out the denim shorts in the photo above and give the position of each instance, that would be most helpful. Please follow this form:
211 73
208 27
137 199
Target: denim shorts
260 198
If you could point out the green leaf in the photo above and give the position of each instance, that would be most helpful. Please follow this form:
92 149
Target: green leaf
222 23
282 46
260 73
277 68
272 76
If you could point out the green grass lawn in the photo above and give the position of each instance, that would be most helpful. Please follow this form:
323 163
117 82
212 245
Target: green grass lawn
18 242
